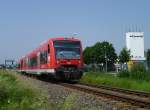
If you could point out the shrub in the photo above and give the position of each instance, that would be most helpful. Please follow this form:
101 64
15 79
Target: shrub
138 72
147 78
124 74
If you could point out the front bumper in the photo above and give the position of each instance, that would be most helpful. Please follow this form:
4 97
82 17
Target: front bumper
67 73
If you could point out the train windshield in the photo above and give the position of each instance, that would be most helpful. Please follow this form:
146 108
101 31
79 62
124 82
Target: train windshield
67 49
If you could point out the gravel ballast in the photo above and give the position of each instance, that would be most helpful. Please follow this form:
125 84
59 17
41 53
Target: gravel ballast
62 98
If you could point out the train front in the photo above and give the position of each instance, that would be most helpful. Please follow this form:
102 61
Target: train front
68 59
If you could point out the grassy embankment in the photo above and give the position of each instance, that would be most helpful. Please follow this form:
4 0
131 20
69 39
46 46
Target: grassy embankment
117 81
19 95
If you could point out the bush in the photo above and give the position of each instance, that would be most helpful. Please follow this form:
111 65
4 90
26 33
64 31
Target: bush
124 74
147 78
138 72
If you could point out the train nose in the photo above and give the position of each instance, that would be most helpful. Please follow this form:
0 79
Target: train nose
70 72
69 62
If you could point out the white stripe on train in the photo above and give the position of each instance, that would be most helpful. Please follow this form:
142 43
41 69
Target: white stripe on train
38 71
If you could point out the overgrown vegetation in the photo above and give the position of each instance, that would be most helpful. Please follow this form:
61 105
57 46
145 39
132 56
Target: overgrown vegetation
122 81
148 57
137 72
19 95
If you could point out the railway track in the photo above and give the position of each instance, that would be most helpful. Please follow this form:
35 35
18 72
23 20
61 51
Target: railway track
126 91
136 98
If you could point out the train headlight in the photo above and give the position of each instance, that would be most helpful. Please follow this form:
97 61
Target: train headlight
58 61
48 58
68 62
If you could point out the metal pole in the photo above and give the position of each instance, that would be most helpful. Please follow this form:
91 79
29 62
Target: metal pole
106 63
105 60
5 63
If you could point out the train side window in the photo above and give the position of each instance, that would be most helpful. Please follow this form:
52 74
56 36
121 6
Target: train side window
32 62
48 49
21 64
43 57
18 66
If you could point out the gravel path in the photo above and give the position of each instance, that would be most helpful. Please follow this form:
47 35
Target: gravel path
63 98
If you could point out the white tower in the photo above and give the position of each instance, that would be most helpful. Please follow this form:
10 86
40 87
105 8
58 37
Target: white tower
135 44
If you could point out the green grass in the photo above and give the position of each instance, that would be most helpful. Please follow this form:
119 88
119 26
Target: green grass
111 80
19 95
137 72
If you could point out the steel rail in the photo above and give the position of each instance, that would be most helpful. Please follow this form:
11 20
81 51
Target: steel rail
122 90
116 95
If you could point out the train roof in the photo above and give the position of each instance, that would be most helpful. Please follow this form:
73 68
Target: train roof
64 38
46 41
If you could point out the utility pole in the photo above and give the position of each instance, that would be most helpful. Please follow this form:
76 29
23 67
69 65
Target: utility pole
105 59
106 62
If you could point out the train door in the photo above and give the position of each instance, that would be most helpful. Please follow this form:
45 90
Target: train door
48 55
38 60
21 66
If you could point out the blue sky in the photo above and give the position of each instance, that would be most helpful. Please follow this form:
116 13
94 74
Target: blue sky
26 23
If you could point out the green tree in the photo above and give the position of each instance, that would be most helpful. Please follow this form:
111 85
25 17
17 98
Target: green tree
99 53
148 57
104 51
88 55
124 56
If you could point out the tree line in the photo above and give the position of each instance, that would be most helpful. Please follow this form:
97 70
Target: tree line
104 55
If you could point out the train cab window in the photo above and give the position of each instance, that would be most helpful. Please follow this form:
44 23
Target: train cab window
48 50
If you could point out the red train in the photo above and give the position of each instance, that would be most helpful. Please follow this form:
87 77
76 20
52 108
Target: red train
61 58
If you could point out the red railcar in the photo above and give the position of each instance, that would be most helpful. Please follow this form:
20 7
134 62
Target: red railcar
58 57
